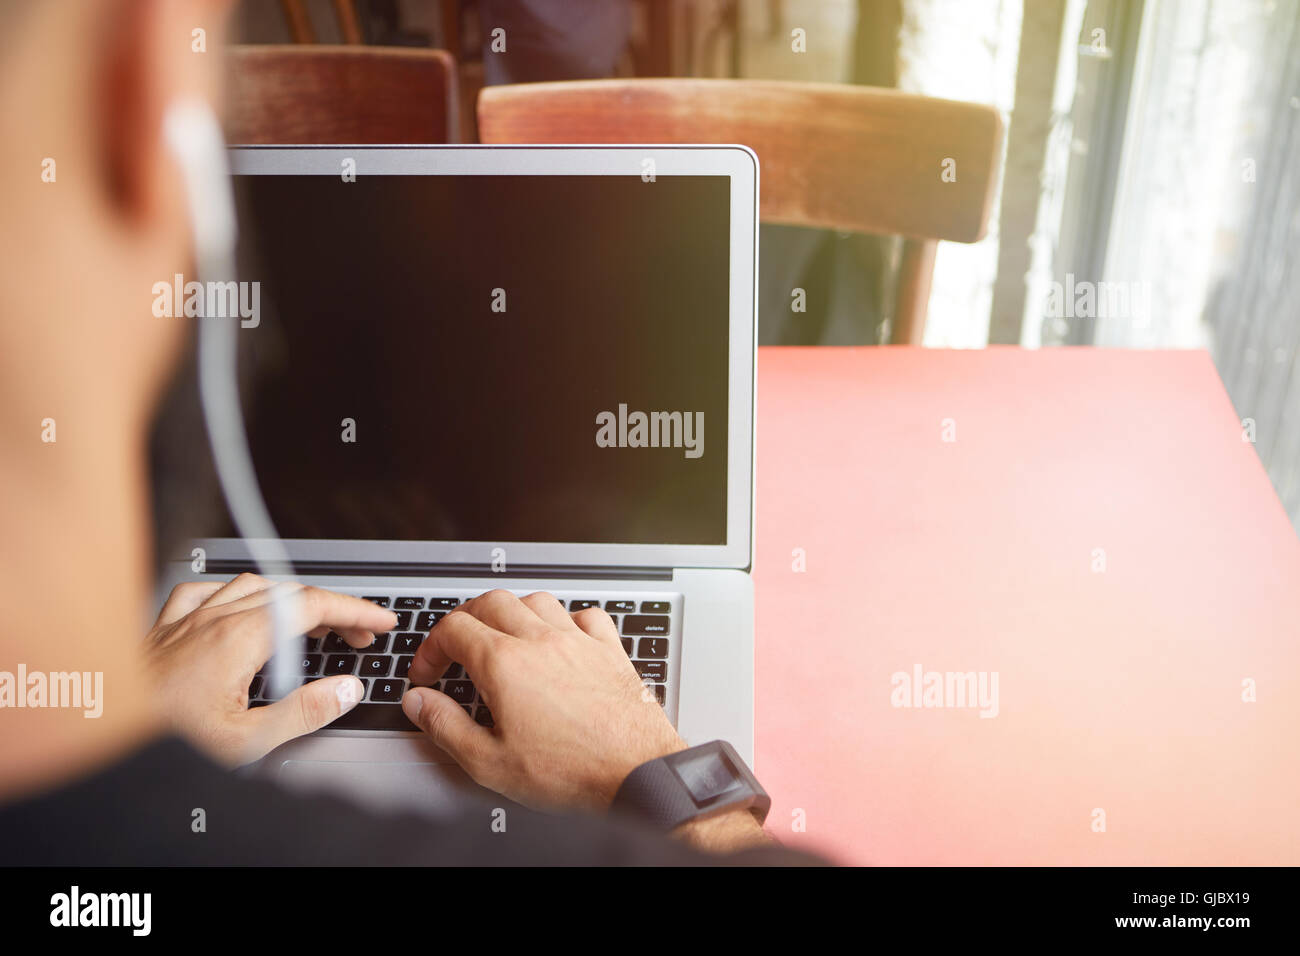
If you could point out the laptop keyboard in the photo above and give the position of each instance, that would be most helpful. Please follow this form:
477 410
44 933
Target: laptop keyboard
645 629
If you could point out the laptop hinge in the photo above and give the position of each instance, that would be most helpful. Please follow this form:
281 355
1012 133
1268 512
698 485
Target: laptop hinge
406 569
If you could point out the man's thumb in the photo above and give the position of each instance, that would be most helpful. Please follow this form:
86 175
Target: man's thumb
444 720
307 709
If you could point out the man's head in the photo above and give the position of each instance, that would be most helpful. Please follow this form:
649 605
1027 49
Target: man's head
92 214
93 208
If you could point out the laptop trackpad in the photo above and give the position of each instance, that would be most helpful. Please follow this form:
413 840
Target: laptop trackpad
437 788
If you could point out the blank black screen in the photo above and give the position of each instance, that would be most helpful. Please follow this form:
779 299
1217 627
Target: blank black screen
470 424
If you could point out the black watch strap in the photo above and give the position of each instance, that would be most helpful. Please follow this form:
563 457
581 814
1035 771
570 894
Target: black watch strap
690 785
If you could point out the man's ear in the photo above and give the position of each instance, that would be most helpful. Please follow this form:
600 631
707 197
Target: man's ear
153 53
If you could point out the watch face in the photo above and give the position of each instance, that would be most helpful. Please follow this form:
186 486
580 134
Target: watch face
708 775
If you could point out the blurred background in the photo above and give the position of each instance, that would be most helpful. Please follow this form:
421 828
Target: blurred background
1147 195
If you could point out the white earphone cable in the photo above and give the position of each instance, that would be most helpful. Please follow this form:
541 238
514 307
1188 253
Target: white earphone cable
195 137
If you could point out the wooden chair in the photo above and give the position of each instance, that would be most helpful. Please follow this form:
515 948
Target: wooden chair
851 158
299 23
340 94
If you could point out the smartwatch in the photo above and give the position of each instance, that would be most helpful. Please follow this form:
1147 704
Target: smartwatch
691 785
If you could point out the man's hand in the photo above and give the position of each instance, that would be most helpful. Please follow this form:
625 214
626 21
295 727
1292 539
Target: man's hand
572 718
211 638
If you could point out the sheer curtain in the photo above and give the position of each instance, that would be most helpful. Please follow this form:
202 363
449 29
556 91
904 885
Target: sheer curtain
1254 308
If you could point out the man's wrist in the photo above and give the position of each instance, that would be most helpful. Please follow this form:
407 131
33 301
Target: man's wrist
732 830
707 780
663 744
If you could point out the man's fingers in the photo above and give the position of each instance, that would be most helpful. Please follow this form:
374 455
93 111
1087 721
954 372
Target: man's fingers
185 598
504 611
357 621
459 637
314 607
307 709
342 612
356 637
235 589
548 607
448 726
597 623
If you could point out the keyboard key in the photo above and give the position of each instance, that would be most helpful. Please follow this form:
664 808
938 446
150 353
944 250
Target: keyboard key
255 687
461 691
580 605
380 646
408 603
621 606
655 607
661 694
381 601
614 618
646 624
367 716
468 709
483 716
627 646
656 647
340 664
426 619
387 690
313 644
407 643
311 664
376 665
403 620
403 666
454 671
334 644
445 603
652 670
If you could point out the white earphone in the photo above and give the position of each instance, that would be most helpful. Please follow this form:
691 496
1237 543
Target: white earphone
193 134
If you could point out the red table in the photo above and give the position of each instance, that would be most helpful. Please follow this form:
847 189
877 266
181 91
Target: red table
1098 535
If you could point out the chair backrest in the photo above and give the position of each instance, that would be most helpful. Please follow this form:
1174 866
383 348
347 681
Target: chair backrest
340 94
851 158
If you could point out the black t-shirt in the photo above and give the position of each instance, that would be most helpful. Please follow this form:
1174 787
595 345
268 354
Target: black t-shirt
140 812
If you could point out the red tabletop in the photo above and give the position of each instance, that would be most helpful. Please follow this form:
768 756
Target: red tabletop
1098 535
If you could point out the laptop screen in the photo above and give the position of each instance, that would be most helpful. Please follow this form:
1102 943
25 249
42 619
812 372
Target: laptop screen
489 358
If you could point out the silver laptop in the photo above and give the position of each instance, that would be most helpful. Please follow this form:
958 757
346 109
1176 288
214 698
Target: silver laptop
524 367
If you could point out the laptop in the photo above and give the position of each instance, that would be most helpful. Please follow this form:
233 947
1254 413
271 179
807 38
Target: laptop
478 367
